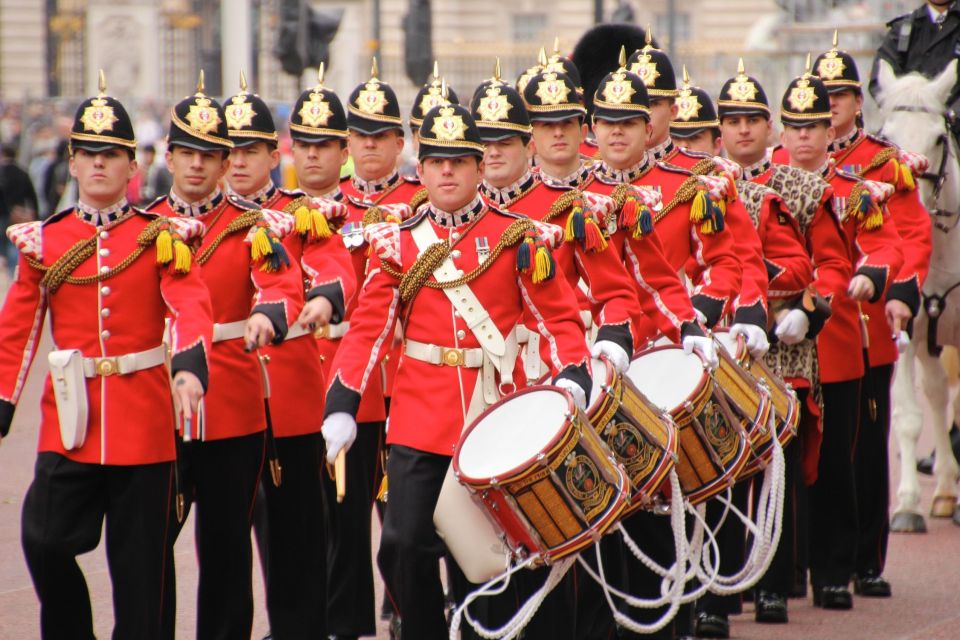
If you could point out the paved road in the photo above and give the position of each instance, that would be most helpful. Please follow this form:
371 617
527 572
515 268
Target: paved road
924 571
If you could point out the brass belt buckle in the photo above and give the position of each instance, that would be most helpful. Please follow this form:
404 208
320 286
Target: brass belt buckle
107 366
452 357
322 332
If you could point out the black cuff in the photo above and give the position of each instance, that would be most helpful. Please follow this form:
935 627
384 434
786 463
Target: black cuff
341 399
6 417
754 314
193 360
691 329
774 271
878 276
575 373
906 292
333 293
709 307
277 313
818 312
619 334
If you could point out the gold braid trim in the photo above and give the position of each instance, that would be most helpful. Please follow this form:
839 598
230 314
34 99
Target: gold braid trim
372 215
241 223
296 203
685 193
619 194
418 275
419 198
562 203
703 167
879 160
59 272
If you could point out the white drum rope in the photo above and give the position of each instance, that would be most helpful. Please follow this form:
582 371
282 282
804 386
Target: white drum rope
497 585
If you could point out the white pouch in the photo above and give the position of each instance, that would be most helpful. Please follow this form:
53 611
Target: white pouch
70 391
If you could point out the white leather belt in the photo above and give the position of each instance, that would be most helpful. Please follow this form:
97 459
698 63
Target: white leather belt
229 330
449 356
127 363
297 331
332 331
587 318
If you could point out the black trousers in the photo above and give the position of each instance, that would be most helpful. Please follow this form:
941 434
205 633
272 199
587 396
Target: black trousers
732 542
291 536
833 500
410 548
594 620
63 515
781 574
350 593
872 469
221 477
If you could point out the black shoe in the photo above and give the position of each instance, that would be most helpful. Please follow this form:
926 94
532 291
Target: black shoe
338 637
771 607
833 597
925 465
712 625
872 585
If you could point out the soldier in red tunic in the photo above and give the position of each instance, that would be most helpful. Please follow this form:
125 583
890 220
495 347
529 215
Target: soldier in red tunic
108 274
857 152
291 532
256 299
872 246
439 384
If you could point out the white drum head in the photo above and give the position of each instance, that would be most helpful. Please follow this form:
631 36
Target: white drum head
728 341
667 377
512 433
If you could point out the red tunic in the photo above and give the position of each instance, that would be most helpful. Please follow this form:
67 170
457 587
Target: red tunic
130 418
295 369
870 158
611 298
401 190
779 155
430 402
238 287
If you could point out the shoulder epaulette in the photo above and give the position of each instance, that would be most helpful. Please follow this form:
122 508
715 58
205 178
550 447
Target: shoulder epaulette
694 154
156 202
384 239
667 166
410 179
902 17
265 238
874 137
847 175
59 215
27 238
241 202
505 212
421 196
413 220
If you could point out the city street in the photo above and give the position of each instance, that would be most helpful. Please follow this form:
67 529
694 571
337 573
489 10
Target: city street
923 569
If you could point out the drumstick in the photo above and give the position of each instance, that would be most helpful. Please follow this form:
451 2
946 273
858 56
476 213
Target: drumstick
340 474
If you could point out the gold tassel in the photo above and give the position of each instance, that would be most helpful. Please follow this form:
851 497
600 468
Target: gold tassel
302 219
384 488
544 266
698 208
164 247
321 230
183 256
260 245
874 219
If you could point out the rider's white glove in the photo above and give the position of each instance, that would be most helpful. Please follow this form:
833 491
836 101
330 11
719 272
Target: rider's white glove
339 431
792 328
579 395
703 346
614 353
756 338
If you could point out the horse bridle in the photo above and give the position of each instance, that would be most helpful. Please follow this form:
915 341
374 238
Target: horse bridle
940 177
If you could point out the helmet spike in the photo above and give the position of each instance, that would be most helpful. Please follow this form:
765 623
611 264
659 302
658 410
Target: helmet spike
436 71
542 57
496 70
321 70
374 69
243 82
686 76
835 38
622 60
648 38
102 83
556 45
740 70
806 65
200 83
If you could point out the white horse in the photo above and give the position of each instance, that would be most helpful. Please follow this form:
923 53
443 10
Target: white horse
914 117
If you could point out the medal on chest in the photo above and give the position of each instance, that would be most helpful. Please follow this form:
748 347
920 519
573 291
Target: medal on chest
352 234
483 249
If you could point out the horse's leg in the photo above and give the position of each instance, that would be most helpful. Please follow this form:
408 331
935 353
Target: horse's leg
907 421
945 467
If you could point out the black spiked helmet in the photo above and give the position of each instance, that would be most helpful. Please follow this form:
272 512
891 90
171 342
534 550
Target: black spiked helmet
838 70
199 122
695 110
373 107
434 93
655 69
558 62
742 95
552 97
596 53
102 123
248 118
498 110
318 114
621 95
449 131
806 101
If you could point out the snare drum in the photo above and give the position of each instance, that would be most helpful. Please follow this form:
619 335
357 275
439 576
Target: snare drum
642 438
713 446
786 406
748 398
541 473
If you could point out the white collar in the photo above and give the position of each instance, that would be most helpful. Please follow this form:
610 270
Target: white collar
195 209
107 216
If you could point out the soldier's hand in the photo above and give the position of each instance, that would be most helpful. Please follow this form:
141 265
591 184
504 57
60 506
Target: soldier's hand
316 312
898 315
259 331
861 288
187 391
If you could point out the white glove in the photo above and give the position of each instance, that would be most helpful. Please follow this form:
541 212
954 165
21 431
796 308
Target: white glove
600 205
703 346
730 168
652 198
757 343
579 395
331 209
701 316
619 358
880 192
339 431
917 163
718 187
792 328
903 341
